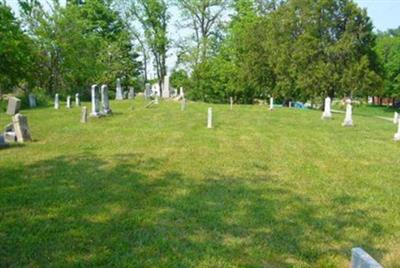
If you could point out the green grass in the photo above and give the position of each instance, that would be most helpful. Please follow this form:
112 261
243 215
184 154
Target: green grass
155 188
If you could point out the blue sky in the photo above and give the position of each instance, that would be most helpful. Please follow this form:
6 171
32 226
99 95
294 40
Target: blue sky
384 13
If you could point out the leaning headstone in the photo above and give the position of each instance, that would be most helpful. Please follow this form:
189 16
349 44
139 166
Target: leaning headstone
105 103
56 102
397 135
84 115
95 101
131 94
119 93
14 105
32 100
69 102
165 88
77 100
396 118
348 120
231 101
327 114
271 103
361 259
209 118
20 123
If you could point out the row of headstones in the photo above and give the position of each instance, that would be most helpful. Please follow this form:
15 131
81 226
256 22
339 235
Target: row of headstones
18 129
69 102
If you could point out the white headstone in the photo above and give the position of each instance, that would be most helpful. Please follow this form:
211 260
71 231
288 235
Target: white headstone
69 102
32 100
166 88
327 114
56 102
290 104
231 101
119 93
147 91
271 103
396 118
348 120
361 259
209 118
84 115
181 92
77 100
95 101
105 102
397 135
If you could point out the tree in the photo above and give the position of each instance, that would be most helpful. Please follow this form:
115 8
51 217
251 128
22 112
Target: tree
16 52
153 17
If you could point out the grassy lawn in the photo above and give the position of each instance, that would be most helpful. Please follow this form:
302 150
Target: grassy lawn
155 188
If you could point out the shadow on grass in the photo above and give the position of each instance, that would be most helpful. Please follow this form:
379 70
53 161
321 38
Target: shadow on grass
87 211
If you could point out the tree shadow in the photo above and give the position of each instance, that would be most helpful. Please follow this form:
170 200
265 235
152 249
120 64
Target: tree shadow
83 210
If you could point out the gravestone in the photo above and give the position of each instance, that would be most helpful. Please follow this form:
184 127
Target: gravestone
396 118
20 123
68 102
165 88
290 104
183 104
131 94
209 118
84 115
77 100
181 92
327 114
126 94
105 103
156 100
231 101
119 93
361 259
397 135
348 120
14 105
271 103
32 100
56 102
95 101
147 91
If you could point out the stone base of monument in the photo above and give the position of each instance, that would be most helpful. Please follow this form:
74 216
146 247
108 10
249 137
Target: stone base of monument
107 112
10 136
348 123
326 116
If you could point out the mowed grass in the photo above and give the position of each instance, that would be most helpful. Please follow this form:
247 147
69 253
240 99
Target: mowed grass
155 188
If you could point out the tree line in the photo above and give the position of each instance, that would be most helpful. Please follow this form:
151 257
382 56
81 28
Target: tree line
245 49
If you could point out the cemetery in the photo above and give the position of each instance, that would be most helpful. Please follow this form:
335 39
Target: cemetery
270 137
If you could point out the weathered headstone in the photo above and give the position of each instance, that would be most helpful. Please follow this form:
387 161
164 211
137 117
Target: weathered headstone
271 103
95 101
147 91
32 100
131 94
396 118
290 104
56 102
77 100
361 259
348 120
105 103
14 105
165 88
9 136
181 92
126 94
69 102
119 93
183 104
84 115
209 118
20 123
231 101
327 114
